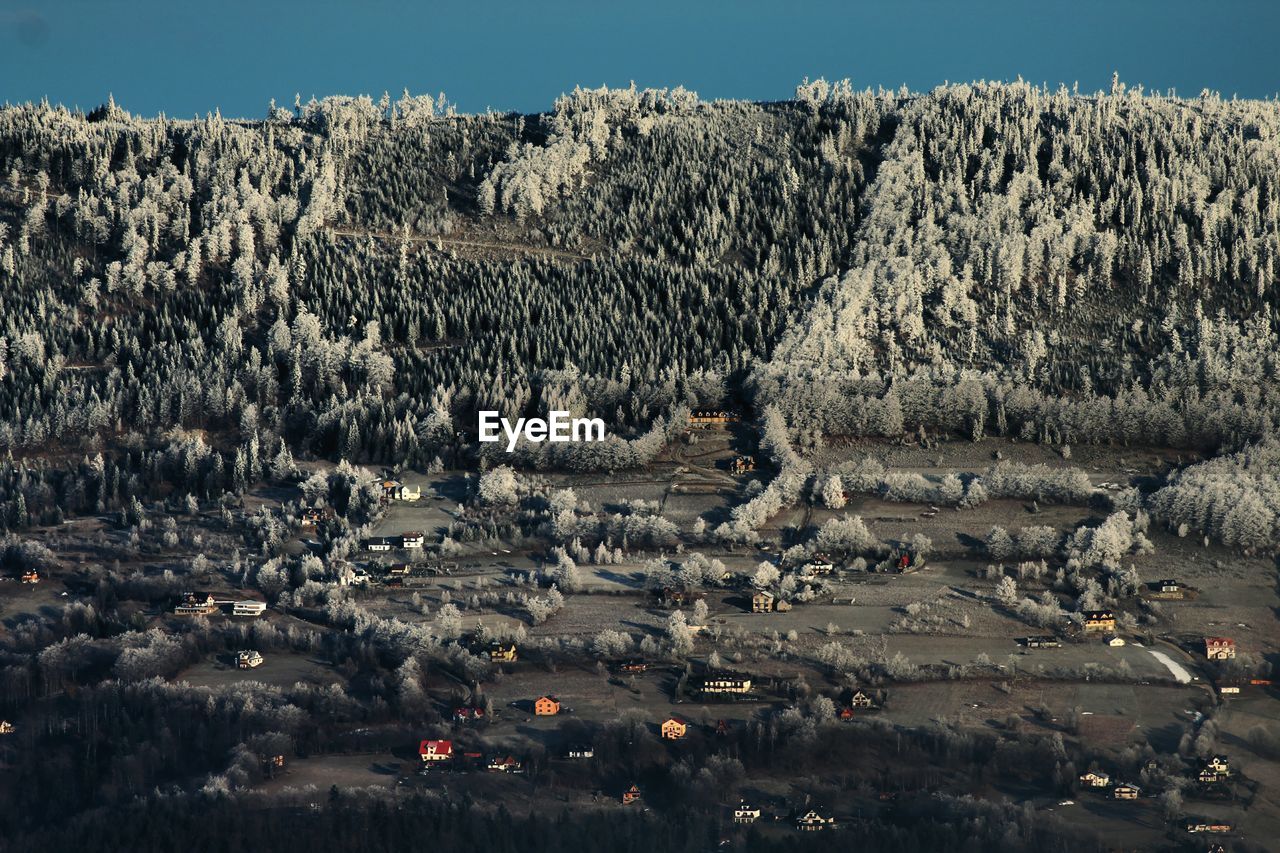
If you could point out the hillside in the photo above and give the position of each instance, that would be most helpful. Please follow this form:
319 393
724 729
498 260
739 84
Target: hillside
353 279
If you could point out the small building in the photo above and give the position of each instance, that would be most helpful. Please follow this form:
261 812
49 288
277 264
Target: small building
1125 791
1219 648
1095 779
1210 776
633 666
631 795
6 727
673 728
192 605
432 751
762 602
546 706
1114 640
414 539
31 576
1229 689
381 543
1099 620
1169 588
670 597
819 566
580 752
1041 642
248 607
726 682
813 821
249 659
1198 825
468 713
745 813
1219 763
505 764
862 700
502 652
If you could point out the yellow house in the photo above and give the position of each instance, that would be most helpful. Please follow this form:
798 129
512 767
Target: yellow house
1099 620
502 652
674 729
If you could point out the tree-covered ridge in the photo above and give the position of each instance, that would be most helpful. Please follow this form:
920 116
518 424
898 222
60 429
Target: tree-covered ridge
1061 243
349 277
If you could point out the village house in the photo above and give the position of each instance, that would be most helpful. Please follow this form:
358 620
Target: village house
1219 648
546 706
580 752
812 821
506 764
1041 642
1095 779
249 659
193 605
861 700
1099 620
380 543
412 540
820 565
433 751
1125 791
248 607
726 682
1169 588
502 652
31 576
674 728
762 602
1218 764
633 666
745 813
1114 640
631 795
1201 825
6 727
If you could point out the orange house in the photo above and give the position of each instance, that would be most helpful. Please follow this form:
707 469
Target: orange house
546 706
674 729
630 795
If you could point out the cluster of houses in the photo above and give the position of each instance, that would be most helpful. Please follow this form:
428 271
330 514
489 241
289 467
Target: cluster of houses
383 544
441 753
249 659
1216 771
30 576
808 820
709 418
191 604
394 490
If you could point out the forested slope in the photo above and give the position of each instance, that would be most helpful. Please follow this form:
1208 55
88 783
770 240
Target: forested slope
350 278
1078 268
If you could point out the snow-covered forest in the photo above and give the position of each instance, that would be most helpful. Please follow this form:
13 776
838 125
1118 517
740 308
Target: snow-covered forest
199 300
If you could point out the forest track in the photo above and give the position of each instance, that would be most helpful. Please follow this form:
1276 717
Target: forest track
440 241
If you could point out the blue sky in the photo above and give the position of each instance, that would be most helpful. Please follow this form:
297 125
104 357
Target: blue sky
185 58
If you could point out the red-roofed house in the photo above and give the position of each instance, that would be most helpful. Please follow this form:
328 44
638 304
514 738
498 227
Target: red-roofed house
435 750
1219 648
